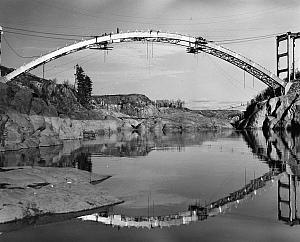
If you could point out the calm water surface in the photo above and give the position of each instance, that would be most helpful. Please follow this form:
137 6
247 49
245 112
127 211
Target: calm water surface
210 186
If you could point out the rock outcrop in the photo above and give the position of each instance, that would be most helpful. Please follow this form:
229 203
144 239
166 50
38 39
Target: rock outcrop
19 131
135 105
29 94
278 149
48 190
276 113
181 120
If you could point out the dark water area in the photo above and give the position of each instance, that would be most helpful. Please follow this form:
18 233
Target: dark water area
209 186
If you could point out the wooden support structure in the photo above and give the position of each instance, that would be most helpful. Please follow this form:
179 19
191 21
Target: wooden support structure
288 56
290 201
1 32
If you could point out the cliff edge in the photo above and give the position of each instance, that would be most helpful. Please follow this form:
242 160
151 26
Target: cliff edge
276 113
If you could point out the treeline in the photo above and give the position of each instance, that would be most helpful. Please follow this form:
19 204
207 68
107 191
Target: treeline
169 103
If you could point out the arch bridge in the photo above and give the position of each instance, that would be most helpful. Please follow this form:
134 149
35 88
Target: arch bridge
193 44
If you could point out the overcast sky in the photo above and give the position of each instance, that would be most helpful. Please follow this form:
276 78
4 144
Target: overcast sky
171 73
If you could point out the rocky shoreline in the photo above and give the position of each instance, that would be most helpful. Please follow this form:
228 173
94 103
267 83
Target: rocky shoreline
36 191
277 113
36 112
22 131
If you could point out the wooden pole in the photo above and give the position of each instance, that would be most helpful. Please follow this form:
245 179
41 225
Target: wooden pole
294 71
288 56
1 32
245 177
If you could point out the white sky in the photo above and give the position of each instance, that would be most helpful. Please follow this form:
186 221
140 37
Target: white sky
171 73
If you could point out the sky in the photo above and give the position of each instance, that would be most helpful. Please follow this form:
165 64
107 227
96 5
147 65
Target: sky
168 73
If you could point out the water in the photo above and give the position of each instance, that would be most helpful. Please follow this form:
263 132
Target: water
210 186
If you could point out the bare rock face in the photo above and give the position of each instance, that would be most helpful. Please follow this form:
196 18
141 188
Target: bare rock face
135 105
40 107
22 100
49 190
21 131
38 122
17 129
3 94
29 94
276 113
174 120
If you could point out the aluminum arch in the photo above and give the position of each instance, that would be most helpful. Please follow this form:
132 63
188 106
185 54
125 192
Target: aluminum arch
193 44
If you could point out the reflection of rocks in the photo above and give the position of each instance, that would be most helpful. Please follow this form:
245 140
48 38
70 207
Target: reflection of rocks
287 205
134 144
83 161
119 145
275 148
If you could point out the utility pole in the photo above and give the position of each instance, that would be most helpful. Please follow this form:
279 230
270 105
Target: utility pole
1 32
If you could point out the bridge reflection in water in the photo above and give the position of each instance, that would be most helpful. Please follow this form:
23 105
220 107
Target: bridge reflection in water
287 199
272 148
279 151
195 212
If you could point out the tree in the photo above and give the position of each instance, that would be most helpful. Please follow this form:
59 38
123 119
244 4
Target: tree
84 87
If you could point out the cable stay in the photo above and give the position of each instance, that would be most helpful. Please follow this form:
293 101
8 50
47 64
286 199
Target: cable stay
244 79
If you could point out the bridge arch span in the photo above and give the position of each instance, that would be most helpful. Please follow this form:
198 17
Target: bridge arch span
193 45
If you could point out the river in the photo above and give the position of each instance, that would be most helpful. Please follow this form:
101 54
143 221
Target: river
210 186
